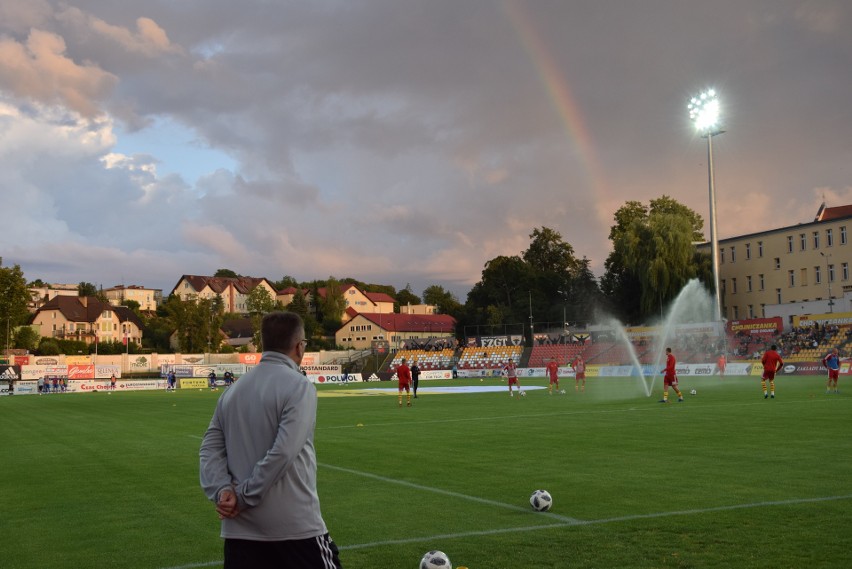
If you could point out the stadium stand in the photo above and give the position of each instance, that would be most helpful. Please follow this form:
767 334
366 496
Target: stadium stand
426 360
488 358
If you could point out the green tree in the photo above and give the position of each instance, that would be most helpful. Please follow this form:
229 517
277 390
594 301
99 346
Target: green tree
406 297
86 289
447 303
286 282
26 338
333 305
227 273
657 252
259 302
196 321
14 297
632 291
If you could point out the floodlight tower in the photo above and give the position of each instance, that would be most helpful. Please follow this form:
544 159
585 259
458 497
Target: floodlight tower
705 114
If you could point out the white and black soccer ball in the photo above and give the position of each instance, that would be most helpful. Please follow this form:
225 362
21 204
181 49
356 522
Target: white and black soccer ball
435 560
541 500
523 393
693 392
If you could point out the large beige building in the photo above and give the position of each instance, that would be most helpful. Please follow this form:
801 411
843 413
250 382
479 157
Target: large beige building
148 298
362 328
797 264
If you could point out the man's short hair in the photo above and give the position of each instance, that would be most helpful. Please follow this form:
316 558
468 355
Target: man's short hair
773 347
281 331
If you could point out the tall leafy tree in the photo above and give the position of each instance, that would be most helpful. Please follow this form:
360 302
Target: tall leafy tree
446 301
14 297
226 273
259 302
86 289
332 306
653 256
405 297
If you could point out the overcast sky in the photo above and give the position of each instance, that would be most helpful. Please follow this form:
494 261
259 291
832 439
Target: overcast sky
399 141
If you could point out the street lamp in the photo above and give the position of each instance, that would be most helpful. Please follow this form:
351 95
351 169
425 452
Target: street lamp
828 278
704 113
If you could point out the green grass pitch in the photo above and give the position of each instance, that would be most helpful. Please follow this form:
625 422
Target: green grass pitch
725 479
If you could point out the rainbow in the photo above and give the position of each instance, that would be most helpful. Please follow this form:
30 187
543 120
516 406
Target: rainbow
562 99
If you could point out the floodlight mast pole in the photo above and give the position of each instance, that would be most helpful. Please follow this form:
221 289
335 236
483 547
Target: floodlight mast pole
704 112
714 236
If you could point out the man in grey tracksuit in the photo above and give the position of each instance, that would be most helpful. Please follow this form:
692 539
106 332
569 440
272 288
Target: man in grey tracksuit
258 463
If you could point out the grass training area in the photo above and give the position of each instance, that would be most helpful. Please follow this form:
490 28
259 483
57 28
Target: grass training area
725 479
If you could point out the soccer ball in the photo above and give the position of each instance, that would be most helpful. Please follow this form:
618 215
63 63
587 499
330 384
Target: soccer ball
562 392
693 392
541 500
435 560
523 393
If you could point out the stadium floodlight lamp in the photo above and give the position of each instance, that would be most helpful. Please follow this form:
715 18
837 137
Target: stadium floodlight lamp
705 113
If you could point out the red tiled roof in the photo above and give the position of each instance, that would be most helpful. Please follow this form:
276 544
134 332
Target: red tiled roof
379 297
72 309
831 213
218 285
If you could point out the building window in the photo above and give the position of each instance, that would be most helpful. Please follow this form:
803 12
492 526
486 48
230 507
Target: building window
817 275
736 312
760 281
777 296
829 238
777 262
831 273
760 249
803 277
844 271
791 276
789 243
721 255
751 311
733 286
843 235
748 251
748 283
733 254
816 239
803 242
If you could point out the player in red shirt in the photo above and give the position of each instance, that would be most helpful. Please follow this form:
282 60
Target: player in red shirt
772 362
722 362
832 364
552 370
511 372
403 373
579 373
670 377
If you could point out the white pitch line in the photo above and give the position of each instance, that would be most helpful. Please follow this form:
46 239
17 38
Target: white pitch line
475 533
434 538
448 493
650 408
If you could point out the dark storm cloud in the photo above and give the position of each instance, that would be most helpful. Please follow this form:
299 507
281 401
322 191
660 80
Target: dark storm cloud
407 141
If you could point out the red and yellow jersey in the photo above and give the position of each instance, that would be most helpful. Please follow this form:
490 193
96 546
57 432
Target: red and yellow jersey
671 364
403 373
552 369
772 361
579 365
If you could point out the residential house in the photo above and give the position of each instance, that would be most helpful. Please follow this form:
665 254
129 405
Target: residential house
87 319
233 291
